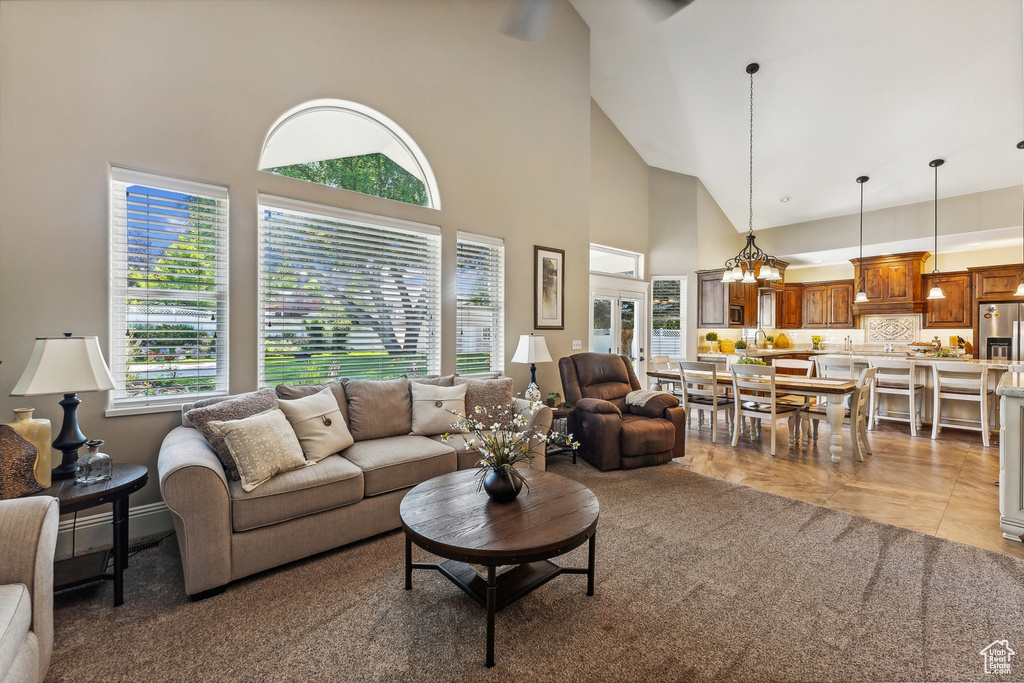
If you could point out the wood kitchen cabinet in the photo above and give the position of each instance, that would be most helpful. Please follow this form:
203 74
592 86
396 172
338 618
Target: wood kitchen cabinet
790 309
892 283
828 304
994 283
957 309
712 299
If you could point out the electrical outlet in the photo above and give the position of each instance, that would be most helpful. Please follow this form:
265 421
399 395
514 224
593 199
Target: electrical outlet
577 344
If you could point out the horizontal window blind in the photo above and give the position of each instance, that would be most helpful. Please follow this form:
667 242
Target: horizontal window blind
169 289
344 294
480 304
668 316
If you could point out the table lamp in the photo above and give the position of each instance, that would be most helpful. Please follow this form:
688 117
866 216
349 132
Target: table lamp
66 365
532 349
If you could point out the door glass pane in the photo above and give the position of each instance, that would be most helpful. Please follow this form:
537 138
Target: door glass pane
627 345
602 326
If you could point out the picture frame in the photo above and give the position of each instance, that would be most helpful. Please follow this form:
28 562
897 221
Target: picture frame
548 288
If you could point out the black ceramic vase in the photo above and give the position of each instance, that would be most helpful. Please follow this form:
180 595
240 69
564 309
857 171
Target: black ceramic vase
500 487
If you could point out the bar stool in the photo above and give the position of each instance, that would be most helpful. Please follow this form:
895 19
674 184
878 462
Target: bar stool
896 378
704 395
830 366
959 381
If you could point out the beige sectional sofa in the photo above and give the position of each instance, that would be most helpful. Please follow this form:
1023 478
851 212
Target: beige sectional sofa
225 533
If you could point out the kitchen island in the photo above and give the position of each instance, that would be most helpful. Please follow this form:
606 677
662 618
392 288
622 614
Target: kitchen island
1011 455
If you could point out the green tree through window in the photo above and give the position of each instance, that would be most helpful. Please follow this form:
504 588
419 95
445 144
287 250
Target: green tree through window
373 174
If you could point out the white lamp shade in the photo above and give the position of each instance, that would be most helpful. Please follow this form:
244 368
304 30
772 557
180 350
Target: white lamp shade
748 277
737 273
64 365
727 276
764 272
1020 290
861 298
935 293
532 349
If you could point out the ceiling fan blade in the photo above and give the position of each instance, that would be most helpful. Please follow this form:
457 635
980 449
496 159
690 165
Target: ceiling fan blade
529 19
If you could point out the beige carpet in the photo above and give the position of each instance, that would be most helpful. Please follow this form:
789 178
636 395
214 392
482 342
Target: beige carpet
697 579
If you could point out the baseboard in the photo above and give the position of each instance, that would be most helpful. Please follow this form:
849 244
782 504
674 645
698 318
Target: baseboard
96 531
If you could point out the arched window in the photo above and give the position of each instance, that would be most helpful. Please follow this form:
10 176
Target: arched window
348 145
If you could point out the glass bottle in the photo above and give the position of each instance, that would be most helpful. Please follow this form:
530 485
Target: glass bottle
36 431
93 466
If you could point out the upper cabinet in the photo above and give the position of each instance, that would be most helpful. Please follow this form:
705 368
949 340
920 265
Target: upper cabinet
957 309
892 283
995 283
712 299
790 307
828 304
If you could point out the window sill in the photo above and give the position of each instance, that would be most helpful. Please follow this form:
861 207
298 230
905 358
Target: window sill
175 407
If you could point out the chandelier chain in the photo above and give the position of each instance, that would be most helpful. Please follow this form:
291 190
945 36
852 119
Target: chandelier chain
750 195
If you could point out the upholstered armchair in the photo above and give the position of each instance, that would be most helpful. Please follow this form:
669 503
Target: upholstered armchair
613 434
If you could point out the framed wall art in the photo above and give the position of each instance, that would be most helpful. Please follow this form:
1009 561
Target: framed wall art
548 288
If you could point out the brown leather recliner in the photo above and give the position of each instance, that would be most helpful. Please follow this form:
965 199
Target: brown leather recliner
614 435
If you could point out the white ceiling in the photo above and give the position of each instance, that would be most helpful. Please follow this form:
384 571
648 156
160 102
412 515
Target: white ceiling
846 88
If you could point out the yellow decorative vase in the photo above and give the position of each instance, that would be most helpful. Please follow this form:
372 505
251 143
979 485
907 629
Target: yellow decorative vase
36 431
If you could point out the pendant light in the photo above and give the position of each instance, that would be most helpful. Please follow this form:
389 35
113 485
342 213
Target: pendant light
936 292
862 296
741 267
1020 287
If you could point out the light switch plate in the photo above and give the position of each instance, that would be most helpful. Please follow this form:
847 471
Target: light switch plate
577 344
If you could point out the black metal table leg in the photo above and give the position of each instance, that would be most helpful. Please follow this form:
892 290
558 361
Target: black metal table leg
408 563
491 600
590 566
120 548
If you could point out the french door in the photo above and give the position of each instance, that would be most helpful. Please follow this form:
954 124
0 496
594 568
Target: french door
618 322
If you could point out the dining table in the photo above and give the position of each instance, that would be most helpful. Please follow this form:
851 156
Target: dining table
831 388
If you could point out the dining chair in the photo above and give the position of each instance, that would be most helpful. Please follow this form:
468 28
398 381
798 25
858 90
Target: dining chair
704 395
896 378
1015 367
856 413
753 388
660 363
959 381
803 368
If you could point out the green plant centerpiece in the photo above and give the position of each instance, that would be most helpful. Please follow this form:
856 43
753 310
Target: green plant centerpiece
750 361
770 338
553 397
741 344
711 336
501 436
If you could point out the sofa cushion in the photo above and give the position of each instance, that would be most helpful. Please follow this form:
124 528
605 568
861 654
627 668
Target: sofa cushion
397 462
643 435
435 408
378 408
318 424
486 393
467 457
293 391
334 482
262 446
442 381
234 408
15 621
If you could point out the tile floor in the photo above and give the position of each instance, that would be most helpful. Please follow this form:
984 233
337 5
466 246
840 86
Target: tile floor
945 487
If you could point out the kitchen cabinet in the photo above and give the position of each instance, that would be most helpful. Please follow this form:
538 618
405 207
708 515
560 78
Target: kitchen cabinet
957 309
790 313
768 304
892 283
994 283
712 299
828 304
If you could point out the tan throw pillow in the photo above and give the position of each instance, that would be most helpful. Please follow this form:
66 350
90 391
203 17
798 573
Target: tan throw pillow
318 424
486 393
442 381
291 392
236 408
432 406
378 407
262 446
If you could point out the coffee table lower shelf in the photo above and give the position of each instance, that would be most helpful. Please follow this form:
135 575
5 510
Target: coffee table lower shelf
510 585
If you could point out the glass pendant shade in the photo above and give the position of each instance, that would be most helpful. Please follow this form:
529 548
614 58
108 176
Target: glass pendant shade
764 272
737 273
727 276
748 277
935 293
1020 290
861 298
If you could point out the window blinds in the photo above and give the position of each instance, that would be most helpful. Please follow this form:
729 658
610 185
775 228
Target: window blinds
480 304
169 285
345 294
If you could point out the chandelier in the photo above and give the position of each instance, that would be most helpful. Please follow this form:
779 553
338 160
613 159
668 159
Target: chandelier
741 267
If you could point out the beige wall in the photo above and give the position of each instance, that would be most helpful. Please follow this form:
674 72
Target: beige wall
190 89
618 187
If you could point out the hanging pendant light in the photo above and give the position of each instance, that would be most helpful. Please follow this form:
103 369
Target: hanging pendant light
862 296
936 292
750 257
1020 287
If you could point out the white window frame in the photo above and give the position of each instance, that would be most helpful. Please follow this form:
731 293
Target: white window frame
366 230
636 257
493 316
682 316
120 179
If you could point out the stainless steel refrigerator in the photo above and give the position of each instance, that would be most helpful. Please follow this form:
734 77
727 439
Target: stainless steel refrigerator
999 331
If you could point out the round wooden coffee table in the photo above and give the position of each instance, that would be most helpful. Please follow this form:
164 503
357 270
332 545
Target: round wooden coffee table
447 517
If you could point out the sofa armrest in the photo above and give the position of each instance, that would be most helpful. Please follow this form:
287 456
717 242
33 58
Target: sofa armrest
195 489
597 405
28 536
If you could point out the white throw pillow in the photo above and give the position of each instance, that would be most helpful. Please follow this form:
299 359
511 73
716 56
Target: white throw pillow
262 446
433 407
318 424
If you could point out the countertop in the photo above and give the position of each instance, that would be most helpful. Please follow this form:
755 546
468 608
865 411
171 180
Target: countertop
1011 384
858 356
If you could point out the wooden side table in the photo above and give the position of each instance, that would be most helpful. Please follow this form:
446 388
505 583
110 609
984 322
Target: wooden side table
72 497
565 414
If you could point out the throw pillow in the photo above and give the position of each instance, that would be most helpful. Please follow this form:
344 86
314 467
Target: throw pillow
236 408
486 393
432 408
293 391
318 424
442 381
378 407
650 403
262 445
